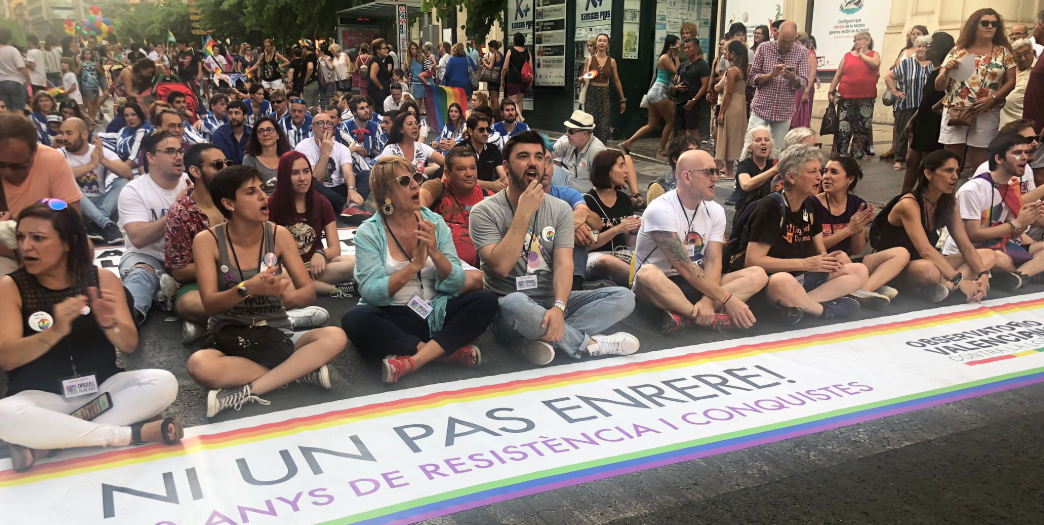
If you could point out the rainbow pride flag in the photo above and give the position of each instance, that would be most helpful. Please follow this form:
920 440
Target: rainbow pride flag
437 99
208 51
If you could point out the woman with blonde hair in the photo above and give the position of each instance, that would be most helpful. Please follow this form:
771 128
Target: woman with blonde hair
410 311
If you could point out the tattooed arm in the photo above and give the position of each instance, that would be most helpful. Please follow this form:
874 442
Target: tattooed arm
674 250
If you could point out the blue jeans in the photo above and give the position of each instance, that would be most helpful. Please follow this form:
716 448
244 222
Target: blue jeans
589 312
141 283
13 94
99 209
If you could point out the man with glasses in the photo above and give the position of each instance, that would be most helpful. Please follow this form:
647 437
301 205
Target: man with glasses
29 173
217 117
779 71
91 165
332 165
579 150
1020 31
491 174
232 138
191 214
298 123
1013 102
278 101
678 276
143 206
1033 102
173 122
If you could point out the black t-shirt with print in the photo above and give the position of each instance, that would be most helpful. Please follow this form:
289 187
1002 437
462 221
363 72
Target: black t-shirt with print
188 65
611 216
790 240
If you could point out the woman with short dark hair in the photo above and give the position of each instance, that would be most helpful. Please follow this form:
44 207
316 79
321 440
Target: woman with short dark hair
619 223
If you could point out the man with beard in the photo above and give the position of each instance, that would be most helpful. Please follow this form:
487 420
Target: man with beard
91 165
217 117
332 165
525 242
679 249
453 197
363 135
297 125
996 213
508 127
144 203
232 138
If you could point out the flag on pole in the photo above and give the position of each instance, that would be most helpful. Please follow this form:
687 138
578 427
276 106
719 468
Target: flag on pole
170 38
438 99
208 51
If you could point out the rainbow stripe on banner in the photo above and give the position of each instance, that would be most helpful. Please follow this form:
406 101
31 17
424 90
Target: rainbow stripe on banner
437 99
500 389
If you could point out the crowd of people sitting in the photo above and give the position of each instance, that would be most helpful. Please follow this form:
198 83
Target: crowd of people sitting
488 225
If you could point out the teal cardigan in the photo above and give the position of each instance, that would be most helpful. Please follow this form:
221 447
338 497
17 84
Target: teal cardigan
371 251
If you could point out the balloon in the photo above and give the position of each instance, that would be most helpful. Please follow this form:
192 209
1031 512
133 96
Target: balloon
107 22
98 24
91 18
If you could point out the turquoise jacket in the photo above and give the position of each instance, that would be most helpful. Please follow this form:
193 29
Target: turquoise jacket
371 250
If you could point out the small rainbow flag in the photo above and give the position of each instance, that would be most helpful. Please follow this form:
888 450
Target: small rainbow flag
438 100
208 51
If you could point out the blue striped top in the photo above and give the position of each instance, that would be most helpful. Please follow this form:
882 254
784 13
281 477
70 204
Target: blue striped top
910 77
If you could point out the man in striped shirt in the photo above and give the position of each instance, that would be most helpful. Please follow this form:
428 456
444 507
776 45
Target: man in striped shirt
298 123
217 117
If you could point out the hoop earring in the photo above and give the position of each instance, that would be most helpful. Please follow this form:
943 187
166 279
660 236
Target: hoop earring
387 209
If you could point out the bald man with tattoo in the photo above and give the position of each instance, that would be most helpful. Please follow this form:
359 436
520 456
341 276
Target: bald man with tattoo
679 256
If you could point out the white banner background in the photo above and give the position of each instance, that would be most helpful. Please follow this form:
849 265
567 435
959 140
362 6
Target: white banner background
419 446
834 27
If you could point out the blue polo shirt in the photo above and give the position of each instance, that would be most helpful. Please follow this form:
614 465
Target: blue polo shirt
568 194
227 143
519 128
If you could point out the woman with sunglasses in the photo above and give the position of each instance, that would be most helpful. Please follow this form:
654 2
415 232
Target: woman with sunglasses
309 216
452 132
267 143
992 78
64 318
403 141
411 312
845 218
247 270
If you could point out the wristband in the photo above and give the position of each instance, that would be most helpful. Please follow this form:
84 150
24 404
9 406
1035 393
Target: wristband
726 301
323 253
985 272
561 306
956 279
1011 224
115 327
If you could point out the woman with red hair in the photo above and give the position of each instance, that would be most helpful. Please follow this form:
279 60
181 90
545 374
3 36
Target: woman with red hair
308 215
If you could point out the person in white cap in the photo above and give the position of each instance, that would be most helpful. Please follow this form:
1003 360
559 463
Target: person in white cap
579 150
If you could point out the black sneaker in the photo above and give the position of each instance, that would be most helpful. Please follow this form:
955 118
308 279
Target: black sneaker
791 315
218 400
345 290
736 195
840 308
111 233
94 233
320 376
1007 281
673 323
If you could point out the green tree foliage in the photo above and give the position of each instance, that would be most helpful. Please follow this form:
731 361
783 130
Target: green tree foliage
149 22
481 14
17 33
284 21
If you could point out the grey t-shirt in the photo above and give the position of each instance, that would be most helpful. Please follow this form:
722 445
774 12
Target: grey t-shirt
552 225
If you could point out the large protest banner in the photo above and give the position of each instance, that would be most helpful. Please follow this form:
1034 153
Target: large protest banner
835 23
400 457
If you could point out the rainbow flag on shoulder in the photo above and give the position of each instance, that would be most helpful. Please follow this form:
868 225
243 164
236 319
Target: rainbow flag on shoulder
208 51
437 99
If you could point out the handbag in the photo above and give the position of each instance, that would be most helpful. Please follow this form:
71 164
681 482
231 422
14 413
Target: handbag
888 98
472 77
829 126
960 116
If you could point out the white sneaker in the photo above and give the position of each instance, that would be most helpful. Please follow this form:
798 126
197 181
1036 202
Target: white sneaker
620 343
888 292
191 331
320 376
536 352
167 292
871 299
308 317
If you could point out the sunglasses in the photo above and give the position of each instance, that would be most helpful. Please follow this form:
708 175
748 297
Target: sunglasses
14 167
280 101
483 129
574 131
297 101
989 23
219 164
709 172
55 204
404 180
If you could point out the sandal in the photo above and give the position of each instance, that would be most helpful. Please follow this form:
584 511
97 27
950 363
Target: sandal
393 367
898 166
165 434
637 201
466 356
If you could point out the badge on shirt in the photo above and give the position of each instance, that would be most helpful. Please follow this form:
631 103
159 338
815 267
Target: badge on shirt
691 250
526 282
79 386
40 321
420 307
548 233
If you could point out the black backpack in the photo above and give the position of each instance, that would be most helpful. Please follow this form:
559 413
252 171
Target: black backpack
878 225
734 253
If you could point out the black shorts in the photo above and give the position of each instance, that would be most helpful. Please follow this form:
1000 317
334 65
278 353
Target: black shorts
686 120
264 345
812 280
691 294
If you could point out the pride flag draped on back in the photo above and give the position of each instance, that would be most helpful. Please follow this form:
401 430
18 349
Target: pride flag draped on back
208 51
437 99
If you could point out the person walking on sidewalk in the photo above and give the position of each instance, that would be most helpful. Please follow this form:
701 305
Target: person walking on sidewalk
660 106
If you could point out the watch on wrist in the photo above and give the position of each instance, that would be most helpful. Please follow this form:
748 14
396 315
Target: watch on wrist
984 272
561 306
956 279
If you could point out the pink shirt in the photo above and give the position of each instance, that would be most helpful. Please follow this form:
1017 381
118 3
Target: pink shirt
859 80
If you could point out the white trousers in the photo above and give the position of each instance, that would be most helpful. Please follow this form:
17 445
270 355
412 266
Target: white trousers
40 420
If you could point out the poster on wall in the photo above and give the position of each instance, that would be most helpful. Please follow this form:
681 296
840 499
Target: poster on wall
671 14
632 19
751 13
521 17
592 17
835 24
549 43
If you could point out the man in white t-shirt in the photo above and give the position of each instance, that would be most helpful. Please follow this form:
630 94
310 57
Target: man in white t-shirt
997 206
144 203
679 255
14 76
331 164
91 165
34 60
392 102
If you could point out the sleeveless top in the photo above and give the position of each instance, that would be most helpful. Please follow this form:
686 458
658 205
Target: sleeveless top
663 76
605 71
269 69
895 236
517 60
859 80
86 347
257 310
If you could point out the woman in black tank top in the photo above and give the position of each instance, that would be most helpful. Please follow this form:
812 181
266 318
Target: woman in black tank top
60 326
244 269
913 221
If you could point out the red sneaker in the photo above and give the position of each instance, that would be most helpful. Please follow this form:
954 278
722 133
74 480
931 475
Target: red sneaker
723 322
